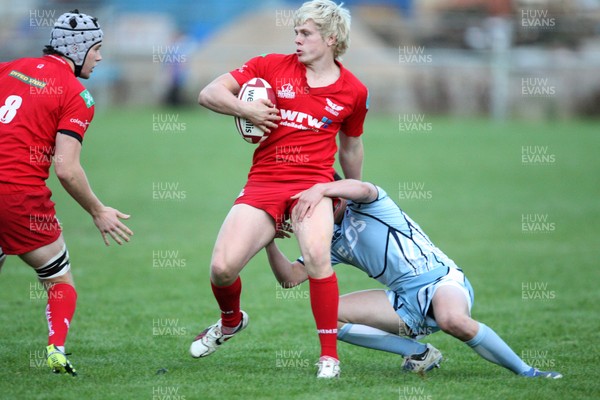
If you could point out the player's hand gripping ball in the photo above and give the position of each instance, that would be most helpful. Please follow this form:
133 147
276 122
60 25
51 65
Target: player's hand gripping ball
255 88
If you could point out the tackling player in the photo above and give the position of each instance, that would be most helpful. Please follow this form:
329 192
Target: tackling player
316 98
44 114
427 291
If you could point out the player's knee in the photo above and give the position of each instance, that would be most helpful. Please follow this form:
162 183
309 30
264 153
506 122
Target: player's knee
454 324
221 273
317 259
57 268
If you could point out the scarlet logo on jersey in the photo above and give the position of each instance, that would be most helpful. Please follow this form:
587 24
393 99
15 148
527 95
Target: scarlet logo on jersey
333 108
286 91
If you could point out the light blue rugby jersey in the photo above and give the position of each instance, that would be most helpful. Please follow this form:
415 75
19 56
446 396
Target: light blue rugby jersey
381 240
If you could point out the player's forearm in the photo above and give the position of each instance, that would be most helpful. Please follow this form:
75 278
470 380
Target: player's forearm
75 182
287 274
218 98
350 189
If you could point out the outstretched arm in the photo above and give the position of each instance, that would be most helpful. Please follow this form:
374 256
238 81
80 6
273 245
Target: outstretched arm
220 96
72 177
288 274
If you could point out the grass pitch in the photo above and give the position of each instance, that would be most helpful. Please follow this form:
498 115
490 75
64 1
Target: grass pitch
514 204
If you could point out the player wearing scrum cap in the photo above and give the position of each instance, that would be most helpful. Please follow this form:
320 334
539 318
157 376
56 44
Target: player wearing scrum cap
318 101
44 114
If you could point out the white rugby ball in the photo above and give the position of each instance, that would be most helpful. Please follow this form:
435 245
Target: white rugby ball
255 88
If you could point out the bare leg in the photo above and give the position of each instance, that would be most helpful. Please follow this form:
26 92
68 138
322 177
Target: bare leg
451 312
314 238
245 231
371 308
367 319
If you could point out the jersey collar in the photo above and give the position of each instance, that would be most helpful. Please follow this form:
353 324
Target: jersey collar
333 88
59 60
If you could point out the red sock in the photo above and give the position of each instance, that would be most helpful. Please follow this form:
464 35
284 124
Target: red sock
324 301
228 298
62 299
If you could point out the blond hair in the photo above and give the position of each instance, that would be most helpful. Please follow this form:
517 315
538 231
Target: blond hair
331 19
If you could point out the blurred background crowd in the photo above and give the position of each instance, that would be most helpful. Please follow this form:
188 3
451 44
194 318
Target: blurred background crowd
533 59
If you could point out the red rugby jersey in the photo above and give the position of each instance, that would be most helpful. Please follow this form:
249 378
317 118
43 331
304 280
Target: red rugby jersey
38 98
303 146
